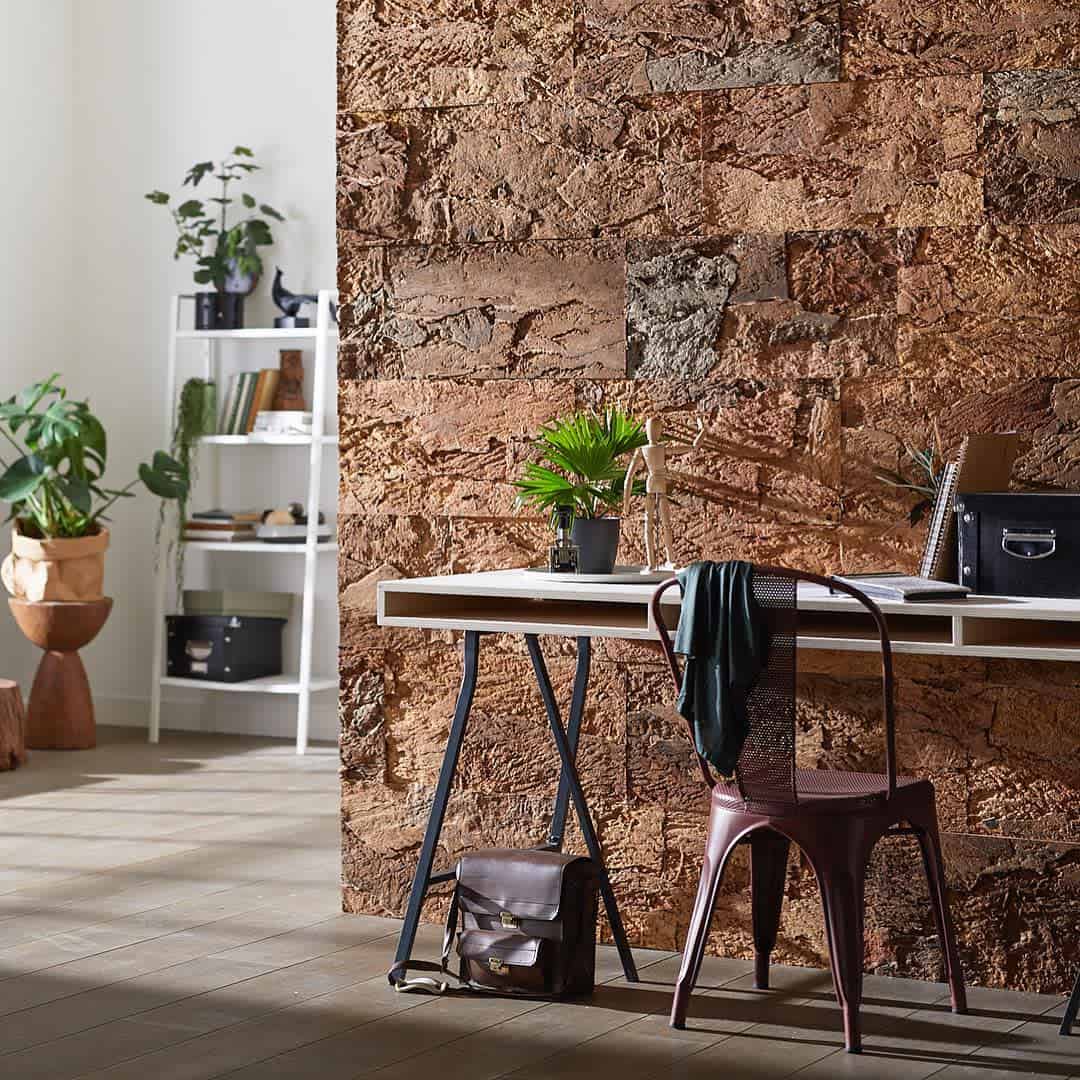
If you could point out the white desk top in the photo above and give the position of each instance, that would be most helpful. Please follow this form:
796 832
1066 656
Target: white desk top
526 585
516 601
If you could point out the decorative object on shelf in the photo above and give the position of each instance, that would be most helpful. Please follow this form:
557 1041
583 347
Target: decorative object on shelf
273 422
12 726
250 392
289 395
226 256
984 463
289 526
620 575
926 481
223 648
61 711
563 554
580 468
653 455
57 497
290 304
253 604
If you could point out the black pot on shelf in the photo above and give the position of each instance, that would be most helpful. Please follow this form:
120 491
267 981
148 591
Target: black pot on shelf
219 311
597 540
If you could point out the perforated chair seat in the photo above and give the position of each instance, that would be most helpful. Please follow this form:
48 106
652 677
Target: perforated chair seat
820 790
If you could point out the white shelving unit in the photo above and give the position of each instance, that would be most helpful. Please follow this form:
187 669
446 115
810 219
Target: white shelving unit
304 682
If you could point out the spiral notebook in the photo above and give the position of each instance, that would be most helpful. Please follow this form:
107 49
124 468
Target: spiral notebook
984 464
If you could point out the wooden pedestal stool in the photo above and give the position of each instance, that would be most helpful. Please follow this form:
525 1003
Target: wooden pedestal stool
12 726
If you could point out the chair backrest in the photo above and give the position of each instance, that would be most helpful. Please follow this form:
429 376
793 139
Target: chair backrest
765 772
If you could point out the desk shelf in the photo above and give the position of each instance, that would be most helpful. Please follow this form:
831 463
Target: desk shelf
515 602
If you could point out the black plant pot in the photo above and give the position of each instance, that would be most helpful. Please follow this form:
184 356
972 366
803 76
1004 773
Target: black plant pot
598 544
219 311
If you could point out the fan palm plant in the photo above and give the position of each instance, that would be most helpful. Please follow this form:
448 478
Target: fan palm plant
581 463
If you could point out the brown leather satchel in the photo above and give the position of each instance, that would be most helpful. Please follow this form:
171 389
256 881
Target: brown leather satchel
525 923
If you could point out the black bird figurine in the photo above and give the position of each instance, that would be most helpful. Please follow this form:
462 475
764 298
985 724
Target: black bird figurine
290 303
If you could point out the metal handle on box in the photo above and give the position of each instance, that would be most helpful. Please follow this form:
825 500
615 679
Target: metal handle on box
1016 536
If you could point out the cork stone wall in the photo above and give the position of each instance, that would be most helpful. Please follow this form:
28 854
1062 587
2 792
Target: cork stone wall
819 226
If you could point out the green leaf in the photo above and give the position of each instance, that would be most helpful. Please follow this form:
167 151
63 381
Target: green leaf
203 277
192 208
160 198
242 151
165 477
269 211
76 491
22 479
197 172
249 200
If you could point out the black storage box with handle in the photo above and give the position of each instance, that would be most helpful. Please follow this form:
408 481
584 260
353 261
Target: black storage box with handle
1019 543
223 648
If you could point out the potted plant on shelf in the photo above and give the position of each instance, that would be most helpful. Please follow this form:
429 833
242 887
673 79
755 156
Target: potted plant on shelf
56 491
581 466
226 256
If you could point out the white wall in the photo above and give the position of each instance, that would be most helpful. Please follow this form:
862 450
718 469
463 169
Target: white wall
36 221
153 86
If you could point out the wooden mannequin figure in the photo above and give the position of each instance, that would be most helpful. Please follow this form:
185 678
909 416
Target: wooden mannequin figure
658 478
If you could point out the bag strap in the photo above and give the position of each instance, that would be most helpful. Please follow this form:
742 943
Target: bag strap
425 983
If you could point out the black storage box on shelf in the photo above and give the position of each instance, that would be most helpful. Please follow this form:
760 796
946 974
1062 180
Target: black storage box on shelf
1020 543
223 648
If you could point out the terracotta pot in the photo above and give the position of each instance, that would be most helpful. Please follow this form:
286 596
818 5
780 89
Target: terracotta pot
56 570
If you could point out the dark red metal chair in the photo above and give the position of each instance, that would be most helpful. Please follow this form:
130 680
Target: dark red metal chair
835 817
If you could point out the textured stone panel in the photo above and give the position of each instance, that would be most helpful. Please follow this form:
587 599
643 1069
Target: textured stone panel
429 449
976 302
808 269
492 310
1032 133
414 54
841 156
415 546
890 38
537 170
677 294
632 47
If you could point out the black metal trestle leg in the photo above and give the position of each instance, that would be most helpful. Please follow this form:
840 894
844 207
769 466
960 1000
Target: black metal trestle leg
1071 1009
438 808
573 733
570 776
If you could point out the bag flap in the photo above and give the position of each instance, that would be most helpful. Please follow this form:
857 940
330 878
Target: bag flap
512 949
527 884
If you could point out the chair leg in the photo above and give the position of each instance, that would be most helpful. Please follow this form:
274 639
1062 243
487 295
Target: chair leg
1071 1009
717 848
843 888
768 872
930 845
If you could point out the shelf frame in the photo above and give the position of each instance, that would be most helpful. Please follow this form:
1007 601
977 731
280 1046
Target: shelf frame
323 336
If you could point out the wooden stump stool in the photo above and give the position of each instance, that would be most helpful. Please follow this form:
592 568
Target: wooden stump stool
12 726
61 713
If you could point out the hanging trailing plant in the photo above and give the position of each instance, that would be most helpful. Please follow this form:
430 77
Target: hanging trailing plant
196 416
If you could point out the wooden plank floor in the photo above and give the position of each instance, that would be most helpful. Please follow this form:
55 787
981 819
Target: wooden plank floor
171 913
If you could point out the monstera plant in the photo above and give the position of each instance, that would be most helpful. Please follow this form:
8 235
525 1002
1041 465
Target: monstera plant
52 475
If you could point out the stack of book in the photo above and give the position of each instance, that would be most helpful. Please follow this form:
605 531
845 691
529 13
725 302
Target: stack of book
221 526
250 392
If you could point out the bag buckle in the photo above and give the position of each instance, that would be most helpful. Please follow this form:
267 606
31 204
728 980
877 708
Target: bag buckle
496 966
508 921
